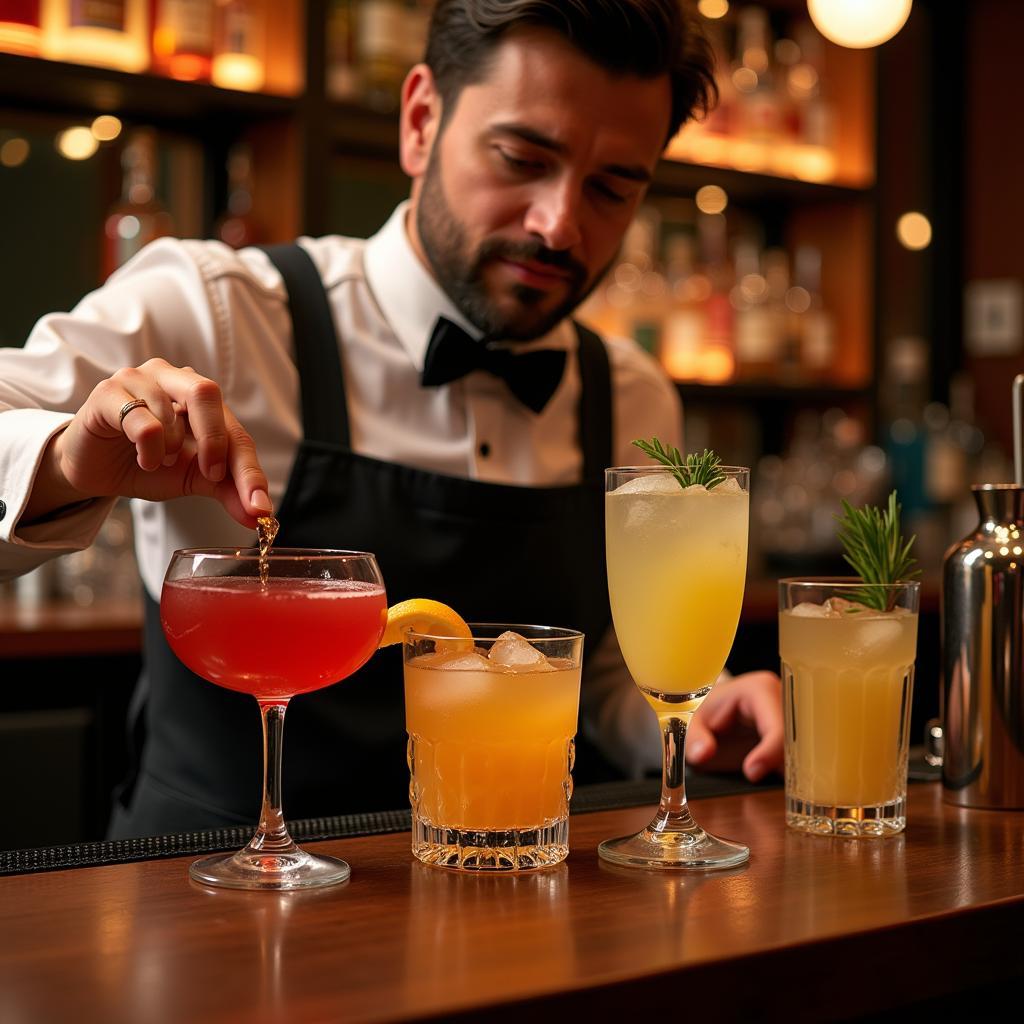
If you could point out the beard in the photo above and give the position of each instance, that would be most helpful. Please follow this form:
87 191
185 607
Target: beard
525 314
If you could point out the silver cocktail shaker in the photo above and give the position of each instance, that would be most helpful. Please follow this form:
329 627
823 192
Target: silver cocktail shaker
983 645
983 656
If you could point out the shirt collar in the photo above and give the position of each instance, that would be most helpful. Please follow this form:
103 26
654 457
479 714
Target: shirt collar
412 300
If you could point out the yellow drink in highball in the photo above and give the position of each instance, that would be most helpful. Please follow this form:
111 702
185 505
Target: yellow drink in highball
848 681
677 561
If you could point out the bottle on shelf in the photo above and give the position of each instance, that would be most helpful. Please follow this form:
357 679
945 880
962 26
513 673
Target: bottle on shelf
718 357
755 340
814 159
183 39
758 104
342 77
380 26
138 217
685 324
237 227
108 33
811 323
390 38
238 61
20 27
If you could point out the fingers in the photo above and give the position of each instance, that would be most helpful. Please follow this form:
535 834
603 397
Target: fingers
201 400
722 726
700 741
762 702
155 428
246 472
223 445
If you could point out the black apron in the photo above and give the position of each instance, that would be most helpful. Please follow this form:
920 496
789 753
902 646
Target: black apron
496 553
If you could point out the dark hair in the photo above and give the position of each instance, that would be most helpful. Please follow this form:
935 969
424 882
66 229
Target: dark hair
647 38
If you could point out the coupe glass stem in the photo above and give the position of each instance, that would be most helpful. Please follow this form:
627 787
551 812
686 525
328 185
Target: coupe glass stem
272 834
673 811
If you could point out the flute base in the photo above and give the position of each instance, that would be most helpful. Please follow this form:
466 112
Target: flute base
688 850
277 871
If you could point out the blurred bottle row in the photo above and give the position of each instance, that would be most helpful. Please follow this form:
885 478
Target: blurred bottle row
775 114
219 41
930 452
139 216
712 302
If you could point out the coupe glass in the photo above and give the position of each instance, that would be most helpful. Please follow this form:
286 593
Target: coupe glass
316 618
677 560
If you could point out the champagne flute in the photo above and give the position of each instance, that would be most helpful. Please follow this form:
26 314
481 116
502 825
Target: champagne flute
677 561
315 618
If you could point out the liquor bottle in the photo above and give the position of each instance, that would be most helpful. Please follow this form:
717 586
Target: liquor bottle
183 39
759 115
20 30
684 326
237 227
109 33
380 29
138 217
814 324
342 78
238 47
814 158
718 357
755 341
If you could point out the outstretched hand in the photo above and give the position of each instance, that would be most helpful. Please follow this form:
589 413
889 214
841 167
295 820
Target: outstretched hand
156 432
739 725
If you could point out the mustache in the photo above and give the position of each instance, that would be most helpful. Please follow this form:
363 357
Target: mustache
497 248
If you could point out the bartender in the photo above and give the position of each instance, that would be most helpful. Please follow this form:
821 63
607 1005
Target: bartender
424 395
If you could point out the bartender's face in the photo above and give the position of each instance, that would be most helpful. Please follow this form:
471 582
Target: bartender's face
522 194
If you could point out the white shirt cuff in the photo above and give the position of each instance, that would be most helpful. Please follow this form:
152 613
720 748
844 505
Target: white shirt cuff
24 435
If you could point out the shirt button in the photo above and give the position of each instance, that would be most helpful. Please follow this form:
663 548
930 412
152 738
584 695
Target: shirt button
485 450
3 510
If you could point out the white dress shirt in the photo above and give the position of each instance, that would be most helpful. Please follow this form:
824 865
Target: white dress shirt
225 313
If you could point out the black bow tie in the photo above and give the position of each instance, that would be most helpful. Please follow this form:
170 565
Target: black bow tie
532 377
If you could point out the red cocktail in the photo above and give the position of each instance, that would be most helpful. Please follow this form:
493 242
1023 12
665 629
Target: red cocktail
276 639
312 620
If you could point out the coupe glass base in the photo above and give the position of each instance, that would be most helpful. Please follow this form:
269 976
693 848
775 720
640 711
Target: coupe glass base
692 850
278 872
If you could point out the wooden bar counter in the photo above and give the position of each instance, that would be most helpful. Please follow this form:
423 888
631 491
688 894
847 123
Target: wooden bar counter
811 928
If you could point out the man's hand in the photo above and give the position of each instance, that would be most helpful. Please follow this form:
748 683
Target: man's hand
739 724
183 441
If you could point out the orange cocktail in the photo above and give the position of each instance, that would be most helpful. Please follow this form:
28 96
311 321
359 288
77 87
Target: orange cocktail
491 724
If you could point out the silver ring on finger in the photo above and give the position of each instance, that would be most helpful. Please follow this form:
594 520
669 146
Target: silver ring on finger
135 403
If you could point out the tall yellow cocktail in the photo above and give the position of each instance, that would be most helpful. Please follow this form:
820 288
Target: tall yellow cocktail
676 546
491 723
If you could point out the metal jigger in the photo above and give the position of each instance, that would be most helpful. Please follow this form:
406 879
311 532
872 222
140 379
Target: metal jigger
983 646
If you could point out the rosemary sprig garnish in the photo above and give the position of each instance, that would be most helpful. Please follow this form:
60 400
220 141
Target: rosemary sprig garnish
688 470
876 552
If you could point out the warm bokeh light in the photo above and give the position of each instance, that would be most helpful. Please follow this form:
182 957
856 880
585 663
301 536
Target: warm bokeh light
914 230
238 71
106 127
713 8
858 23
712 199
14 152
803 80
77 143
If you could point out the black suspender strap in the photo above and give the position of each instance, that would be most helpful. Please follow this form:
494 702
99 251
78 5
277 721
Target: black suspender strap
596 406
317 355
